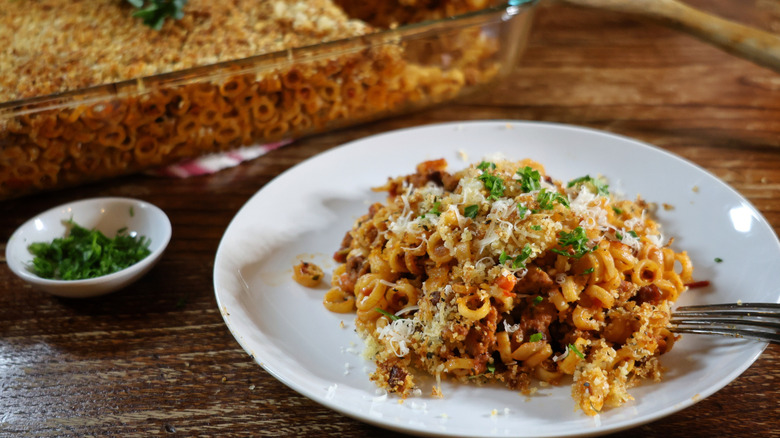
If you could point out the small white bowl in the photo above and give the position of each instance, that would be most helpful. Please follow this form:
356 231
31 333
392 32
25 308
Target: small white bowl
104 214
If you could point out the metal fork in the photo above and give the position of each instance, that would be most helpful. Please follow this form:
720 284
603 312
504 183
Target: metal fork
759 321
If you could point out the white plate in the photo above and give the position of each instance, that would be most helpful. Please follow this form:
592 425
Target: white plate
304 213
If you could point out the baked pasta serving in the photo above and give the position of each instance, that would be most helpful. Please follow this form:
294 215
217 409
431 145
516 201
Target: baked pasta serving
500 273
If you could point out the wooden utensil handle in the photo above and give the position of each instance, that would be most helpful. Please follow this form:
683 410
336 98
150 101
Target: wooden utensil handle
750 43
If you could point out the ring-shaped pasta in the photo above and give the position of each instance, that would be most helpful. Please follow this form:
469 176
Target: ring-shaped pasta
402 294
112 136
338 301
570 289
646 272
609 274
369 291
675 279
686 273
379 266
263 109
233 87
667 288
603 296
622 257
293 79
545 375
459 366
146 150
623 354
209 116
396 258
438 277
584 318
436 249
527 349
569 363
540 356
557 299
51 128
276 131
504 347
227 131
473 314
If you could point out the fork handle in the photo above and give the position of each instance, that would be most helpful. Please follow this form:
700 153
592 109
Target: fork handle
750 43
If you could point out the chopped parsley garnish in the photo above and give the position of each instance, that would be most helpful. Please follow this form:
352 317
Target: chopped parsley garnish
87 254
530 179
538 299
435 211
718 260
588 271
485 165
617 210
536 337
154 12
518 262
493 184
633 234
387 314
578 241
536 227
597 184
491 368
618 235
573 348
522 210
471 211
436 208
546 199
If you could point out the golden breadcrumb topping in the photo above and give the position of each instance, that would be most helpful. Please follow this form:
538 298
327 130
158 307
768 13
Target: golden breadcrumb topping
49 46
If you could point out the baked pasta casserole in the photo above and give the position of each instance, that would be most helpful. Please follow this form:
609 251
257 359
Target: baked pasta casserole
226 74
499 273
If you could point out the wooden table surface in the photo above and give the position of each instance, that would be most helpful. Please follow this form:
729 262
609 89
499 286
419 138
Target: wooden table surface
157 359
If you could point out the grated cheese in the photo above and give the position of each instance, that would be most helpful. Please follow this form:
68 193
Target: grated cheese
511 328
397 334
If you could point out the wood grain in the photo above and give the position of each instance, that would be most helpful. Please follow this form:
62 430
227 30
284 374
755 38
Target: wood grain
748 42
157 360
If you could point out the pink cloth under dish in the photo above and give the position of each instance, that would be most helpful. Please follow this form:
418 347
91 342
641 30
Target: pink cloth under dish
208 164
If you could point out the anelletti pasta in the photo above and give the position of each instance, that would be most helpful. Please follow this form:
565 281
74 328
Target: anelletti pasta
499 273
54 47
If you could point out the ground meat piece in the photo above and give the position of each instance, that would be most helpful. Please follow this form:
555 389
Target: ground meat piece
356 266
396 379
649 294
625 291
433 171
454 333
341 255
537 319
482 336
535 280
393 376
375 207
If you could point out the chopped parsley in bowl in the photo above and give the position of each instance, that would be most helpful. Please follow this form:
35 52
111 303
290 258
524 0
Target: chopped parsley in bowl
90 247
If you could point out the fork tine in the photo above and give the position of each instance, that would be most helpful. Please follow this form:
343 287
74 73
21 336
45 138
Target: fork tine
681 320
748 334
744 320
746 309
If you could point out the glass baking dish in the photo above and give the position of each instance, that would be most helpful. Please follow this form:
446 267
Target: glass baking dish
70 138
